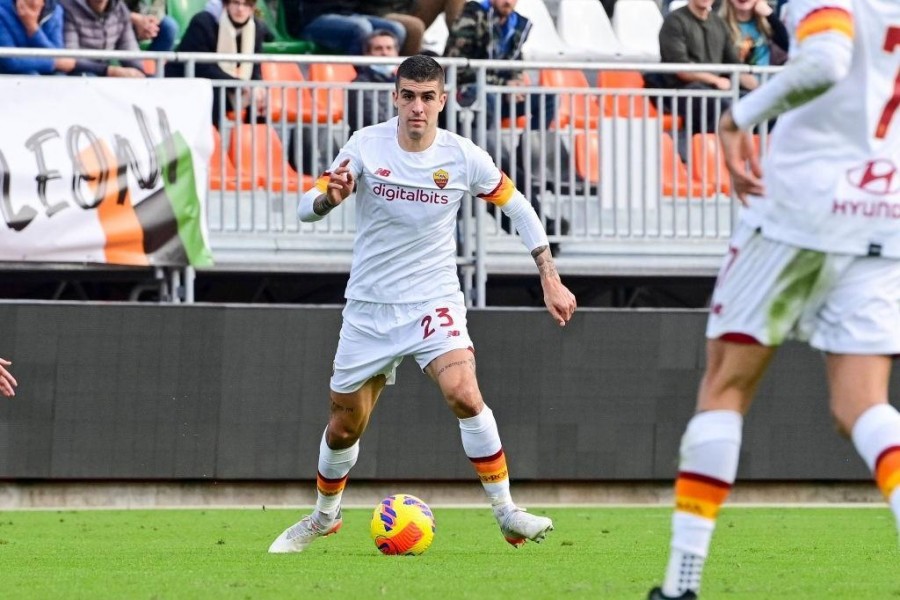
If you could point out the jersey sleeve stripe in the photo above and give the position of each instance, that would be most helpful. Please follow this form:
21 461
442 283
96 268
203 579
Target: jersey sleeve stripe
824 20
501 194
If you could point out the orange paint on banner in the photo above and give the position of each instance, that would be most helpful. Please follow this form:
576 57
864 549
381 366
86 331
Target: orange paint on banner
825 20
124 233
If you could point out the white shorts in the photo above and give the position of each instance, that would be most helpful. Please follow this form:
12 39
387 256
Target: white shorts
376 337
768 291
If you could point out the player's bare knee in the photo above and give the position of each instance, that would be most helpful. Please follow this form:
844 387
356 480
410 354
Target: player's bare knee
464 400
342 435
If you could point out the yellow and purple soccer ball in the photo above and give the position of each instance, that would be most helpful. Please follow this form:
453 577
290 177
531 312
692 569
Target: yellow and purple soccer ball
402 524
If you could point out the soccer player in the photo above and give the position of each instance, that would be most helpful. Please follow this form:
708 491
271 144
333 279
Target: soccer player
403 296
814 257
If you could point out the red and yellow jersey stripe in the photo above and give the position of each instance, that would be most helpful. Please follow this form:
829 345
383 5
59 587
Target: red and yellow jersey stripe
825 20
501 194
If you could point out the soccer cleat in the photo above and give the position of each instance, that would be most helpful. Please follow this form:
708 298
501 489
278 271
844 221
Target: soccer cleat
656 594
297 537
518 526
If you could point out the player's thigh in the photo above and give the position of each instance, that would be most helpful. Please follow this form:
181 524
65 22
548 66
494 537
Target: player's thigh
365 348
350 413
861 312
763 289
733 373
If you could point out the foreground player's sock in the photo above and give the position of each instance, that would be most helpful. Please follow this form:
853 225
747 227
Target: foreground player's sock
876 435
710 449
481 442
334 466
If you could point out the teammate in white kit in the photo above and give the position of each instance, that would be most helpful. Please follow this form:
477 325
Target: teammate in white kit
403 297
815 258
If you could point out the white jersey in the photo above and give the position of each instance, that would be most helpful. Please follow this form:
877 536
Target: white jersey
831 175
406 207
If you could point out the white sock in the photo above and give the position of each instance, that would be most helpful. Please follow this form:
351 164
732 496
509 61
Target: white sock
334 465
878 430
710 449
481 443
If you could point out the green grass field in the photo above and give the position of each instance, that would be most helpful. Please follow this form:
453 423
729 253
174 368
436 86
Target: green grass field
611 553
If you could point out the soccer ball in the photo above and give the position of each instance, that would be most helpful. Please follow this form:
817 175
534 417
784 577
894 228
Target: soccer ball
402 524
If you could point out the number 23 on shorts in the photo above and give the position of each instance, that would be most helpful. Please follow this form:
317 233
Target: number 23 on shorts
430 322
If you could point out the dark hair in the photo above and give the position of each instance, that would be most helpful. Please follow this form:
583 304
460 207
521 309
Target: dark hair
381 33
420 68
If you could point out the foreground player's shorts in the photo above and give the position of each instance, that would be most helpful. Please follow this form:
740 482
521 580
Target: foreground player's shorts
375 338
768 291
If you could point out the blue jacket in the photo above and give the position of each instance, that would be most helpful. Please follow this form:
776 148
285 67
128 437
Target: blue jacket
13 35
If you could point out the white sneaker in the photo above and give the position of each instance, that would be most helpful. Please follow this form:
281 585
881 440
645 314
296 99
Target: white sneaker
300 535
518 526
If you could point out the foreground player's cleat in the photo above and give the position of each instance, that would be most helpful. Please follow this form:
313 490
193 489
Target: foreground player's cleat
656 594
297 537
518 526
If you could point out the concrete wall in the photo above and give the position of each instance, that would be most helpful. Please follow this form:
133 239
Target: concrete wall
153 392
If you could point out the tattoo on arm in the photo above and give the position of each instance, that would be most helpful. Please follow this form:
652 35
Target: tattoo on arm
322 205
335 408
544 261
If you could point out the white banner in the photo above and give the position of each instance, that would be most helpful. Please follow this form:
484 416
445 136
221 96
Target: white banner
97 170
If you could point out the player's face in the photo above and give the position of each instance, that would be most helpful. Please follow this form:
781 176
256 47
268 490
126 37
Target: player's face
504 8
701 5
418 104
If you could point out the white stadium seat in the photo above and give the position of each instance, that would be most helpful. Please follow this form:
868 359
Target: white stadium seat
583 24
435 38
544 42
637 24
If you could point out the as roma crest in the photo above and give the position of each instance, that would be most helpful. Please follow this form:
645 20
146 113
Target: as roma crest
441 178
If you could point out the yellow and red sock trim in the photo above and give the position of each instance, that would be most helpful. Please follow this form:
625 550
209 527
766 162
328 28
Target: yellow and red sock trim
700 495
330 487
887 470
491 469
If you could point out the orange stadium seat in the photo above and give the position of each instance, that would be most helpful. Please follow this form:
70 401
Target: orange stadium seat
707 159
587 156
222 174
257 150
579 109
630 106
290 103
676 181
331 101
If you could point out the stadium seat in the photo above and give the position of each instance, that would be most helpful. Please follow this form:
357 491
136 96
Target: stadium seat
635 106
583 25
183 11
290 103
283 42
544 42
636 24
331 100
709 161
222 174
579 109
257 150
675 5
587 156
676 181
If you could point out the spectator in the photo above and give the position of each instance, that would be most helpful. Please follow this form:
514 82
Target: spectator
368 107
101 25
336 25
492 29
760 38
150 22
236 31
32 24
696 34
397 10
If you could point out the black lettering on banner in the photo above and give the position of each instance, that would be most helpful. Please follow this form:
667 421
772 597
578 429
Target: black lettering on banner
15 220
126 158
80 172
165 130
35 143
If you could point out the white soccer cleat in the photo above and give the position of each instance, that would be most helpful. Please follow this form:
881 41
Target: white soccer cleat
518 526
297 537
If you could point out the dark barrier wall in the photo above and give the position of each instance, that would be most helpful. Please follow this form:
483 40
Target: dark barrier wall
236 392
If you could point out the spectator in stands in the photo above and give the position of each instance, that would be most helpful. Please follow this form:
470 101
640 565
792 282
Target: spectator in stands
8 383
492 29
236 31
696 34
150 22
397 10
760 37
32 24
368 107
101 25
340 26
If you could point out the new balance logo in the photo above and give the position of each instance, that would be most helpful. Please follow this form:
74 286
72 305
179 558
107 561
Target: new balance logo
383 172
